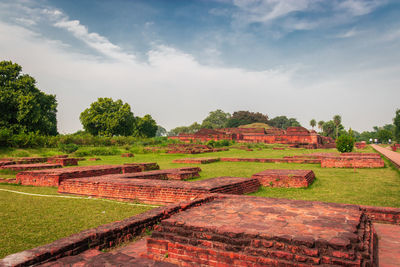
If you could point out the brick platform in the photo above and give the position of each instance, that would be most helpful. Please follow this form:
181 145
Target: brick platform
285 178
156 191
29 160
166 174
251 231
352 162
54 177
64 161
196 160
26 167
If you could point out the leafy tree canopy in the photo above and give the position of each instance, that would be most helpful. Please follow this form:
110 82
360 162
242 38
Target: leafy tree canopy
161 131
216 119
23 107
246 117
145 127
396 123
283 122
108 118
194 127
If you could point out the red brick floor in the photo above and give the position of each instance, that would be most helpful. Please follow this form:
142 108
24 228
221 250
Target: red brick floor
389 244
391 155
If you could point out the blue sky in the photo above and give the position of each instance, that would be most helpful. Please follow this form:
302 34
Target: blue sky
179 60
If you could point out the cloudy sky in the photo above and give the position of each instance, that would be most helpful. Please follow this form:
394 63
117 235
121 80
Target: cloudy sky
179 60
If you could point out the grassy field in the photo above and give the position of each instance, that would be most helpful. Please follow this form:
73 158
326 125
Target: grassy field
28 221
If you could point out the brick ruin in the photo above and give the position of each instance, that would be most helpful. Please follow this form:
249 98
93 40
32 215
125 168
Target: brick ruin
196 160
295 136
254 231
191 149
285 178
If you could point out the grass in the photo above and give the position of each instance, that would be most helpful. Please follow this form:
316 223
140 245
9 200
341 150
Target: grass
29 221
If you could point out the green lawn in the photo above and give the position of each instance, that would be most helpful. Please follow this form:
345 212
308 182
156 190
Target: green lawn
28 221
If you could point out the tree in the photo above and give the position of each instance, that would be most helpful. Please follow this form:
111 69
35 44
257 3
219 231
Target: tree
320 124
396 123
345 143
145 127
161 131
313 123
337 120
216 119
246 117
194 127
384 135
107 117
283 122
23 107
328 129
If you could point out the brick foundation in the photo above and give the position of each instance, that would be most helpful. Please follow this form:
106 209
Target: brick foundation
54 177
33 166
196 160
352 162
127 155
64 161
166 174
270 160
156 191
251 231
285 178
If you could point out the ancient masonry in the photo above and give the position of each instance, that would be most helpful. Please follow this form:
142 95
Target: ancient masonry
285 178
296 136
196 160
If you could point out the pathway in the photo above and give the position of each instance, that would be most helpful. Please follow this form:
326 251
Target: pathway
388 244
394 157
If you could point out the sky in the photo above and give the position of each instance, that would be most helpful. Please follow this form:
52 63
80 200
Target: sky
177 60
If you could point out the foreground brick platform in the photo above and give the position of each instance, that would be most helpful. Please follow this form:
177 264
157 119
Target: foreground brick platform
285 178
33 166
54 177
251 231
196 160
156 191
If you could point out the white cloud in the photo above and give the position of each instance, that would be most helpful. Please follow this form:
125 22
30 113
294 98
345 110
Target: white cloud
347 34
360 7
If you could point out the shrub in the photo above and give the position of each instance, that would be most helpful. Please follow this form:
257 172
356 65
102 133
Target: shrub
345 143
68 148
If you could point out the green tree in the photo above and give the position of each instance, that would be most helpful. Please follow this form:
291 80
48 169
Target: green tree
246 117
161 131
345 143
313 122
384 135
328 129
320 124
194 127
396 123
107 117
216 119
283 122
145 127
337 120
23 107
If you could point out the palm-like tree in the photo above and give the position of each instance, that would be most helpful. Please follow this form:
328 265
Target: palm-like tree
337 120
320 123
313 123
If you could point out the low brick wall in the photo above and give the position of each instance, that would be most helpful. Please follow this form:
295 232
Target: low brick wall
382 214
29 160
285 178
145 166
6 162
54 177
104 236
156 191
271 160
64 161
33 166
251 231
196 160
352 162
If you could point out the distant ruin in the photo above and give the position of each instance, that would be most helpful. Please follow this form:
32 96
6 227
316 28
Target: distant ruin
294 136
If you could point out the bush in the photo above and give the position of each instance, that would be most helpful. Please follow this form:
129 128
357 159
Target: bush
345 143
68 148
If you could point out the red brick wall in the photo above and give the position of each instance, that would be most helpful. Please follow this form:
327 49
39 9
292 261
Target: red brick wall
352 162
285 178
64 161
